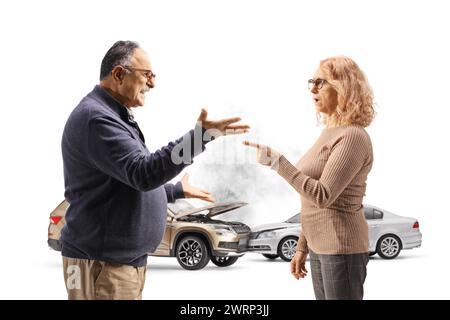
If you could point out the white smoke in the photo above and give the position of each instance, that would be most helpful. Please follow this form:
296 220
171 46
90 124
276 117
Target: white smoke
228 169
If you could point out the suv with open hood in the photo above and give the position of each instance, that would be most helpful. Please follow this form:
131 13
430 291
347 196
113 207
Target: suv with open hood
192 235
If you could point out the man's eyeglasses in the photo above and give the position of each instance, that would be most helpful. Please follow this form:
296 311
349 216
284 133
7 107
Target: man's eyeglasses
318 83
146 72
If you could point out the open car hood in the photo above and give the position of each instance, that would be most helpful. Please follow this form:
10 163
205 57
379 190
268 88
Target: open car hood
213 209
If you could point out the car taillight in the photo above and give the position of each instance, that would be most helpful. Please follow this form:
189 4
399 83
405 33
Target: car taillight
416 225
55 219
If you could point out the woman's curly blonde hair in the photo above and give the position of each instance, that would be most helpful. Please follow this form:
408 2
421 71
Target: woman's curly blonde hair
355 96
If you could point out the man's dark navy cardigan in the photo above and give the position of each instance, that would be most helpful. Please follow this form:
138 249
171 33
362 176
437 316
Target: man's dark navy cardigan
116 188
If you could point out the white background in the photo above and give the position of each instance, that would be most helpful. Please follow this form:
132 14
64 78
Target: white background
247 58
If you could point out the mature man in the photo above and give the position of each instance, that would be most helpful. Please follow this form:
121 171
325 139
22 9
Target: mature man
117 188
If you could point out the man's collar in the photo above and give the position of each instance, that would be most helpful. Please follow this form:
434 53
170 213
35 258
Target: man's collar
115 105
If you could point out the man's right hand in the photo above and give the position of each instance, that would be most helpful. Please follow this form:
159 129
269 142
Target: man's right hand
298 269
223 126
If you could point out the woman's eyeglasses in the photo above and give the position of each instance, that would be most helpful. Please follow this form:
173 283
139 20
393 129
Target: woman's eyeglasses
318 83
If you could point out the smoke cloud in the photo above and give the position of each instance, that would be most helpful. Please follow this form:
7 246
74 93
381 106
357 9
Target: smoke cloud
229 170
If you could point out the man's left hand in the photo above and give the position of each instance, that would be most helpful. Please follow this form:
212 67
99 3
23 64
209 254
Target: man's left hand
193 192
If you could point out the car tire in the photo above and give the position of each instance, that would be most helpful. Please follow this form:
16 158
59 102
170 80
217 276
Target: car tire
270 256
192 253
223 261
287 247
389 246
372 254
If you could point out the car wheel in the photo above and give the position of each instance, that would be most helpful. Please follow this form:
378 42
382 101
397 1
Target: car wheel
389 246
372 254
287 248
192 253
223 261
270 256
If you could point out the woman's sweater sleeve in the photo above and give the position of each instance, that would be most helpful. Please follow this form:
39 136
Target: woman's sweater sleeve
347 158
302 244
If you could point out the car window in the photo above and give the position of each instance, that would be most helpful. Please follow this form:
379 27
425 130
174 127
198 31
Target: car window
377 214
294 219
368 212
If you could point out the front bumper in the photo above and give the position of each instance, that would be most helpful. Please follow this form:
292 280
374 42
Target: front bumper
267 246
231 247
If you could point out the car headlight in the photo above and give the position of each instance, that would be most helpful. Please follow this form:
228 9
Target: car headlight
266 234
221 228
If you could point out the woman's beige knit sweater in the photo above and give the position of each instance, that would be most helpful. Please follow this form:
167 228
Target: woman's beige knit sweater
331 179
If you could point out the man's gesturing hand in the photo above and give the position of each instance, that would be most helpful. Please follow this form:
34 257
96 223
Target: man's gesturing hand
222 127
264 154
193 192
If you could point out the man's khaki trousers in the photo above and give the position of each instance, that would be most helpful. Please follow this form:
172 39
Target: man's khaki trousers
99 280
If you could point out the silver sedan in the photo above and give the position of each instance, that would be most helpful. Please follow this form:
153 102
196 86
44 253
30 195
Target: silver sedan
388 235
276 239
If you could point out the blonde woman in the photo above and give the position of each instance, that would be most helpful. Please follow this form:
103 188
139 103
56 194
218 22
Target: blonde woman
331 180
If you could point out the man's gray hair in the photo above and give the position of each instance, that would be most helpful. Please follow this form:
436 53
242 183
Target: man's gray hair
119 54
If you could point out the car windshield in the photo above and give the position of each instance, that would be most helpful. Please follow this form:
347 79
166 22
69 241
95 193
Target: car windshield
180 206
294 219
